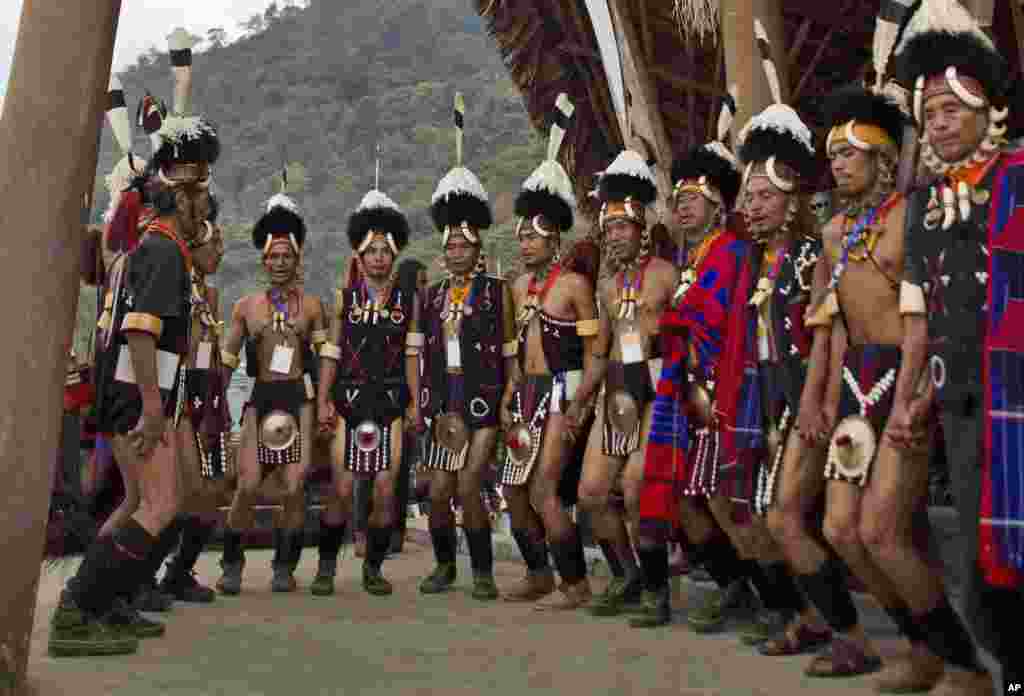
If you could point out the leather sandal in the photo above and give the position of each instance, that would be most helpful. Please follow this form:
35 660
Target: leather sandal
795 641
843 658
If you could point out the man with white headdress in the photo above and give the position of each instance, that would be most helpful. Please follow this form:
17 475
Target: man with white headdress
140 387
960 299
558 370
282 328
369 372
469 328
631 302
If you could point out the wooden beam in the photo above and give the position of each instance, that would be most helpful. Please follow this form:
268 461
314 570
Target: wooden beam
1018 29
813 65
52 111
719 79
643 11
798 43
742 61
644 115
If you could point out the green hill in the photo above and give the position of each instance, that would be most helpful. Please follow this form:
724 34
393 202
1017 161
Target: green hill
319 88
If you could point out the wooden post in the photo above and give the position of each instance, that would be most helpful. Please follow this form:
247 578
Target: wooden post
52 111
645 129
742 60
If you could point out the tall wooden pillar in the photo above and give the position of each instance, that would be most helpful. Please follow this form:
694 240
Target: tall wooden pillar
52 111
644 130
742 59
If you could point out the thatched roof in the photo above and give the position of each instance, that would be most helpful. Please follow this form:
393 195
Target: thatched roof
549 46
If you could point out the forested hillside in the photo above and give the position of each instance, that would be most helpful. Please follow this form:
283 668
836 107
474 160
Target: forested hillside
319 88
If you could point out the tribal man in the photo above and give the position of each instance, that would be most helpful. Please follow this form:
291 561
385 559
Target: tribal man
140 390
631 301
208 422
469 326
369 370
865 493
681 461
778 155
553 382
963 282
282 328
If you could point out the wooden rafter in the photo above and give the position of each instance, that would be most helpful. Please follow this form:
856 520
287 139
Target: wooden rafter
798 43
646 32
684 84
719 79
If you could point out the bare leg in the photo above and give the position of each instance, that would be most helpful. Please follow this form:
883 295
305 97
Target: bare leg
544 480
382 517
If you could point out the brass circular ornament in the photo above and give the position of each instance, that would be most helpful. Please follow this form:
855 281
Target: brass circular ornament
367 436
622 411
450 432
853 447
279 430
519 442
701 409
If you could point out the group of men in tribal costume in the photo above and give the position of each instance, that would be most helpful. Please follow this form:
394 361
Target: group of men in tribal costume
770 398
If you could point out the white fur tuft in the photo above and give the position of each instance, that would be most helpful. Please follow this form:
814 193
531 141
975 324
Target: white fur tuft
551 177
630 163
722 151
947 16
282 201
459 180
377 199
780 118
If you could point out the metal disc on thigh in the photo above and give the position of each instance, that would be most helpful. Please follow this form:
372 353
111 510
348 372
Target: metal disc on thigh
278 430
367 436
700 404
622 411
519 442
852 447
450 432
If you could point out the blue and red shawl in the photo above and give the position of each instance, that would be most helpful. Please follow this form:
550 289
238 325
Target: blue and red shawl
695 327
1001 527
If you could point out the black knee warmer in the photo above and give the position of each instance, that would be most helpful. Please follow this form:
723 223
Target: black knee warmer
444 542
776 587
614 562
827 590
720 559
331 539
904 621
654 563
535 552
481 551
568 559
233 552
378 542
947 637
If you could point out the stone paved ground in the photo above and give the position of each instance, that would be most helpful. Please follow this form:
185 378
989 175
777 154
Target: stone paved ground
298 645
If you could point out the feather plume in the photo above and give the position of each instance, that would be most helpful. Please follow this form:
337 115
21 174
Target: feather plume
770 72
728 113
460 115
564 110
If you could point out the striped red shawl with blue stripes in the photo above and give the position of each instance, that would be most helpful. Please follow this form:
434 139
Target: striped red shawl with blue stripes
697 325
1001 528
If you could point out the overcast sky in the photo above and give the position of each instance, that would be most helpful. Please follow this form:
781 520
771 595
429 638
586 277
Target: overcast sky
143 23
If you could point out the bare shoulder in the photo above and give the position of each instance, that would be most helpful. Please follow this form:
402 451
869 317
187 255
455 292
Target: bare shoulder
520 284
832 232
662 270
897 215
576 283
312 304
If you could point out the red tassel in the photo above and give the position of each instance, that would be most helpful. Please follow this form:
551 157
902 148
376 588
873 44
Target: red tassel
123 232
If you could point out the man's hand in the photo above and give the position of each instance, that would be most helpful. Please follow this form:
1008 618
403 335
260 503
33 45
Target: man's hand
505 411
414 419
326 415
815 420
151 429
905 427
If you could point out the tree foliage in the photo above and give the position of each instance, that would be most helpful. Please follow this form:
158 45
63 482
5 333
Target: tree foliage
320 85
